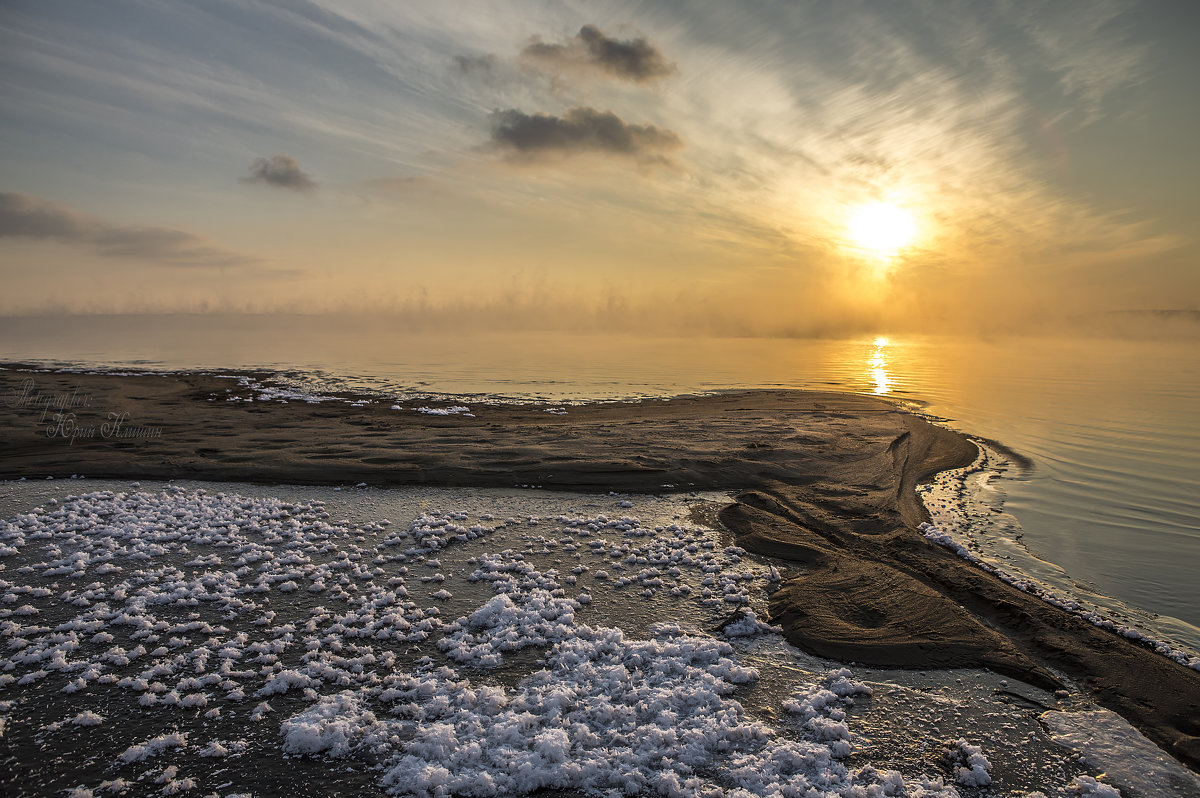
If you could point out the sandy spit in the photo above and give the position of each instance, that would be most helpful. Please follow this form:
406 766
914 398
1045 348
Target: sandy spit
826 486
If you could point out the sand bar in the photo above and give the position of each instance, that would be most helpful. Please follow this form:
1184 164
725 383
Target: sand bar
826 486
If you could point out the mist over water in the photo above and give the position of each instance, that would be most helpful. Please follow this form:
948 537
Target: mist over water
1112 426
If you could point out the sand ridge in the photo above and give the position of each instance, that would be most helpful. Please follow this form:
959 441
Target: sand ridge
827 487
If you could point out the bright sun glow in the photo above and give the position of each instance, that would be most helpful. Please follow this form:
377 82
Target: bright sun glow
881 229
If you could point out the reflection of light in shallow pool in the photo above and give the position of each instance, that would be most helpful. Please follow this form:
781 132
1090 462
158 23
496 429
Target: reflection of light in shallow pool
878 366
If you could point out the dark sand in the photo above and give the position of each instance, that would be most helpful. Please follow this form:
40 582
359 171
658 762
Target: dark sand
828 483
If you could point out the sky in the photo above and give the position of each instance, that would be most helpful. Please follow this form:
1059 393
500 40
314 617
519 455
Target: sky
758 167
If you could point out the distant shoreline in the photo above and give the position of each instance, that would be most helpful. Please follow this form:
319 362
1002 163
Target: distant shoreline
827 479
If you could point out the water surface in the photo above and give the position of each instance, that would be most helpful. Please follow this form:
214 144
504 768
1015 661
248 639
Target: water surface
1112 428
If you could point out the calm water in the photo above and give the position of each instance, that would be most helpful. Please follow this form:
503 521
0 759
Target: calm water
1112 427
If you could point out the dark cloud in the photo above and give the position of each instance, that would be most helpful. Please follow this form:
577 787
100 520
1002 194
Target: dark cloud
280 171
486 69
409 183
590 50
476 64
581 130
25 216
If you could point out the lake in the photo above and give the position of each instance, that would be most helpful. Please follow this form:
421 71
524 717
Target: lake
1109 510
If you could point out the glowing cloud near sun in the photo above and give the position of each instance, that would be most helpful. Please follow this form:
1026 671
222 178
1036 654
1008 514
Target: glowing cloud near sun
881 229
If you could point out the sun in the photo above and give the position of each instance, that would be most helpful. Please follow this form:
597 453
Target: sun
881 228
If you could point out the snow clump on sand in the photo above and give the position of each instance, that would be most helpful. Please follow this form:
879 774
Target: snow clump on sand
276 629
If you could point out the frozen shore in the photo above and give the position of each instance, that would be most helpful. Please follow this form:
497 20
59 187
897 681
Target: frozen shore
234 639
827 488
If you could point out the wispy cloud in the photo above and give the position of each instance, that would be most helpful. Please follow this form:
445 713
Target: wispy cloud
279 171
581 130
979 117
1089 54
25 216
921 104
592 52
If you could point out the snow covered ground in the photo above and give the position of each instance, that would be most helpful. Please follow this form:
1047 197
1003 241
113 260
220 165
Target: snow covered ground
225 640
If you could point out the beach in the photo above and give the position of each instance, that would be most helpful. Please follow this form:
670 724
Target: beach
825 486
794 400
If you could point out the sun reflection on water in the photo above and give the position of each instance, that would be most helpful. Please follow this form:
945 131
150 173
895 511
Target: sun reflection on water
878 366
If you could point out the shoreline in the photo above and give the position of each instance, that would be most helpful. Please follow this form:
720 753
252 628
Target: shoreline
828 485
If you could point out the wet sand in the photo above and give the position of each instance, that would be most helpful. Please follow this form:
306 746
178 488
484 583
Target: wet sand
826 487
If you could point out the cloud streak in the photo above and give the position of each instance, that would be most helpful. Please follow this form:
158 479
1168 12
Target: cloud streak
279 171
25 216
592 52
581 130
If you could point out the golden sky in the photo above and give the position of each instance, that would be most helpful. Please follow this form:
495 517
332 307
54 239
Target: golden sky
758 168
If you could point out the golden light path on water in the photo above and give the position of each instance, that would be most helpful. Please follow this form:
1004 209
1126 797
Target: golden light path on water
878 366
